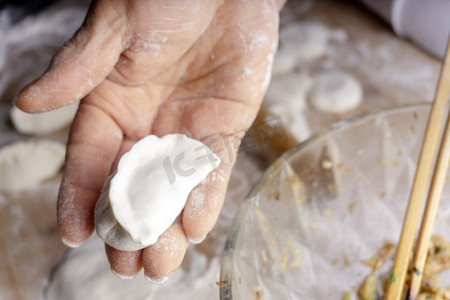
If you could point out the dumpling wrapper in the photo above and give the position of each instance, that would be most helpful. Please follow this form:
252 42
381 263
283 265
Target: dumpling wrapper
335 92
43 123
25 164
305 40
150 188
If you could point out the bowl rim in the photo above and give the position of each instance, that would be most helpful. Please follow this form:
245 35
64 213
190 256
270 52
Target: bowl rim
226 271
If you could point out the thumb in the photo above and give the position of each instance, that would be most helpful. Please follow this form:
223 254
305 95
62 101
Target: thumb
81 64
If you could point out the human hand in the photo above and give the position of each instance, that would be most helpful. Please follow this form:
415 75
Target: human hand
143 67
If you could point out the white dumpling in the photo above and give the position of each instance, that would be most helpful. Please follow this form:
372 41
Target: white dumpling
150 188
305 41
335 92
25 164
289 90
43 123
284 62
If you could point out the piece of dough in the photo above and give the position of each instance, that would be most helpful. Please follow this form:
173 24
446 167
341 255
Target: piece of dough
25 164
335 92
150 188
43 123
306 41
284 62
289 90
286 98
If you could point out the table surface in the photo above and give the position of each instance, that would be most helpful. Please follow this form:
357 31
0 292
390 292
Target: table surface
392 72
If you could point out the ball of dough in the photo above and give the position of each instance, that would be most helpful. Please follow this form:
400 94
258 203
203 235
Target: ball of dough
335 92
43 123
25 164
284 62
289 90
150 188
306 41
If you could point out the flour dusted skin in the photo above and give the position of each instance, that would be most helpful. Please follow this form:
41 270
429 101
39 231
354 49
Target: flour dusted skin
150 188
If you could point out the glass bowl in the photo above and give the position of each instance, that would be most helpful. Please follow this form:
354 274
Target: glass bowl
325 207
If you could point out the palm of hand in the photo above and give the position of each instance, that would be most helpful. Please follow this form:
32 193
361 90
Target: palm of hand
200 70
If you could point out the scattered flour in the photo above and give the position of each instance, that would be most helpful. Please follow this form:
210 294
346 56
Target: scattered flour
25 51
85 274
27 46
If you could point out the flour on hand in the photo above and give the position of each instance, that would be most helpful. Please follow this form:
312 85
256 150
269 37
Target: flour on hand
25 164
150 188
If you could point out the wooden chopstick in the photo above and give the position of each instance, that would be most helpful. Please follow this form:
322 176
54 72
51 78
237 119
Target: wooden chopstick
437 184
429 217
419 188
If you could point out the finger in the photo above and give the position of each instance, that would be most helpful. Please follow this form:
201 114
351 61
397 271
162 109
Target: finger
204 204
81 64
93 145
163 258
126 145
206 199
124 264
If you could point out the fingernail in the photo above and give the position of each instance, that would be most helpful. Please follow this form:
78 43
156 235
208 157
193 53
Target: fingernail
122 276
197 241
70 243
156 280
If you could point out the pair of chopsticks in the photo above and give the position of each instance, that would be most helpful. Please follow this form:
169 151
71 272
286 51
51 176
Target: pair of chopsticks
418 192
